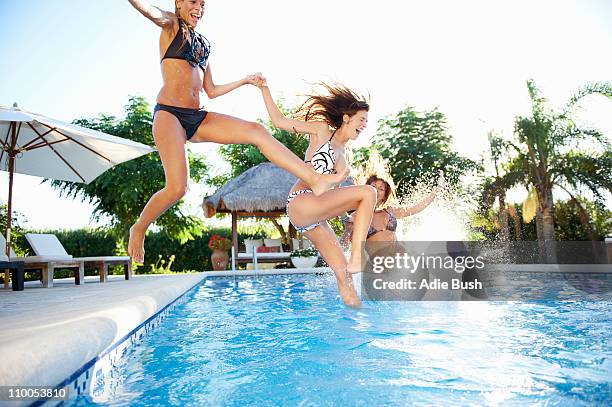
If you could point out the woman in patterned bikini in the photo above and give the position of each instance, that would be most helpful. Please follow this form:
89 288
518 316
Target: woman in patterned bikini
331 120
178 116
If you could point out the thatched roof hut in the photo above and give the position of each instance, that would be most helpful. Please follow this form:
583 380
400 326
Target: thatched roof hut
259 190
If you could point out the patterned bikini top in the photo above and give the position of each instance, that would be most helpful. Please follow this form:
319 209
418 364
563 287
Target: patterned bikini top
391 225
189 45
324 159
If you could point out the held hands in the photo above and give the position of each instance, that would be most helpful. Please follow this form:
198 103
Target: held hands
257 79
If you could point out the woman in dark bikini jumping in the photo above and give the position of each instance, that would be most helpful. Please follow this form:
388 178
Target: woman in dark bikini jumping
178 116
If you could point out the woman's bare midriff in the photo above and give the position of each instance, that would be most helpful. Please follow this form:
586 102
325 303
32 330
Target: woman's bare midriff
383 236
182 84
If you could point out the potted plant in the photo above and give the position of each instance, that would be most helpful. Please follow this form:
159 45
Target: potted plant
219 246
304 259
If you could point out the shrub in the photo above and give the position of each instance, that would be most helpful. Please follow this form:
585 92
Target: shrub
217 242
310 252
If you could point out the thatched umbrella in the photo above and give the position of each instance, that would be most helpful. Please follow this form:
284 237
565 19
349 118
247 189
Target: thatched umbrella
260 191
263 188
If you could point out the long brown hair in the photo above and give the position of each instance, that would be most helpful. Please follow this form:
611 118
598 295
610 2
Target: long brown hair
331 107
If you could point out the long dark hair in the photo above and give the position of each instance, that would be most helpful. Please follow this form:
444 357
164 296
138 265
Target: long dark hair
331 107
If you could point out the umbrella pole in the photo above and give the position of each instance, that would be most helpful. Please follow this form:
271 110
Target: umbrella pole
11 156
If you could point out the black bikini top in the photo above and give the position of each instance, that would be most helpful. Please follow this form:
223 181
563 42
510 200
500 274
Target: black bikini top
189 45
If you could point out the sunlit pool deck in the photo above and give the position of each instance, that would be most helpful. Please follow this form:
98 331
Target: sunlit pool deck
63 335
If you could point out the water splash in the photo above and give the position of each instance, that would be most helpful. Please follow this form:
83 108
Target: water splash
447 218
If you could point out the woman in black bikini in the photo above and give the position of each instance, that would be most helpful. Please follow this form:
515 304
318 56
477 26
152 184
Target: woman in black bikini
331 120
178 116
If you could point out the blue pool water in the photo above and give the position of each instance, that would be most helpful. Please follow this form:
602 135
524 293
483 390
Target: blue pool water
288 340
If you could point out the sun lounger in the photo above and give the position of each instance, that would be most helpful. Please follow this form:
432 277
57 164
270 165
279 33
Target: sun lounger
49 244
48 264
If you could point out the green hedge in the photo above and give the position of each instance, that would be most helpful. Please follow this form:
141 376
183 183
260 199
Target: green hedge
191 256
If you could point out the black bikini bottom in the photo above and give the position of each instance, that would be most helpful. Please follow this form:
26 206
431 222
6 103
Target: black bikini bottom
190 119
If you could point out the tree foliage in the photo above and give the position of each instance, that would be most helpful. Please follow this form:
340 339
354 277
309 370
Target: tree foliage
549 152
417 146
554 150
18 222
568 225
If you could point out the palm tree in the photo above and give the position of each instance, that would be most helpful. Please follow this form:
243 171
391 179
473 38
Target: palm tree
551 150
496 187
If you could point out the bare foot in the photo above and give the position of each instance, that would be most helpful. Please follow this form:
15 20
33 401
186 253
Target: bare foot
136 244
325 182
347 291
354 264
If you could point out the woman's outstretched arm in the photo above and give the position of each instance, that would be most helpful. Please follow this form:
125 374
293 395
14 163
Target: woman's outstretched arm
402 212
160 17
213 90
280 120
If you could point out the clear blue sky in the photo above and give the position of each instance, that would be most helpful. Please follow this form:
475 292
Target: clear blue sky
71 58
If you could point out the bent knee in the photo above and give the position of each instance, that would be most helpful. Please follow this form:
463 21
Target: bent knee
257 132
177 191
368 193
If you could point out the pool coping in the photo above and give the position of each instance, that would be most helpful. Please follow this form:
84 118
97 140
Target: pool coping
115 347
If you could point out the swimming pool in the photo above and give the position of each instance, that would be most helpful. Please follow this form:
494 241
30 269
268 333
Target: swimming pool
288 340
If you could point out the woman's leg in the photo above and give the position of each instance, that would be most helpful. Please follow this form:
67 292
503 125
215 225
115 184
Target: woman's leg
224 129
306 209
324 239
170 142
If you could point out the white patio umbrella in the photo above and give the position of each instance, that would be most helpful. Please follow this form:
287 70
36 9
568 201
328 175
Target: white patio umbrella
33 144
